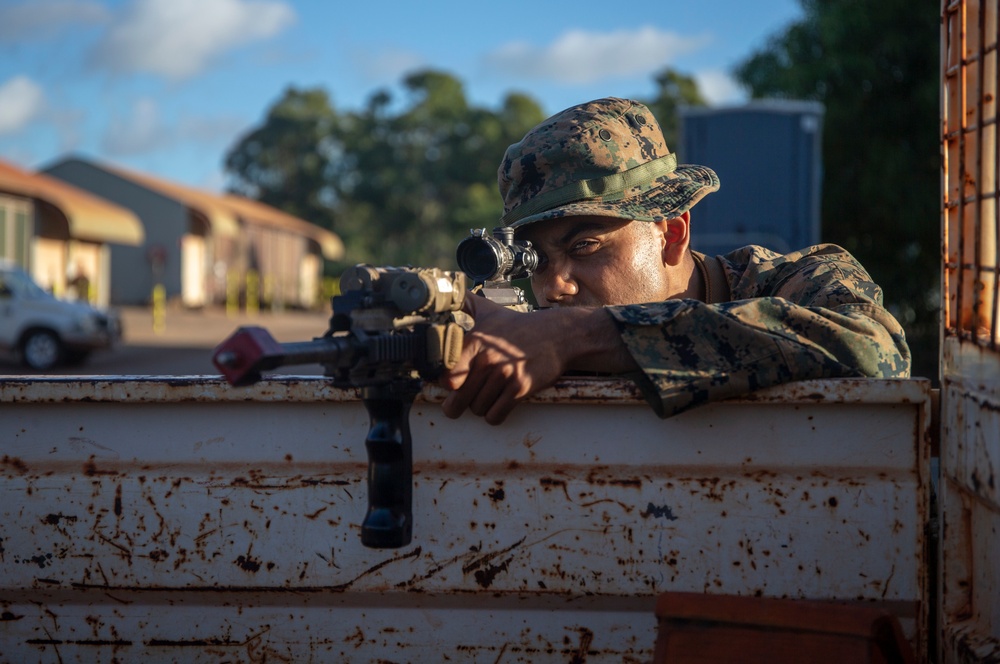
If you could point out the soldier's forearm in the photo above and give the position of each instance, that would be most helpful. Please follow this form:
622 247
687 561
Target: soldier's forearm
590 339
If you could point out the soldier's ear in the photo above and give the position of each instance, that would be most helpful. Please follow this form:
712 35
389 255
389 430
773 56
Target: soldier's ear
676 238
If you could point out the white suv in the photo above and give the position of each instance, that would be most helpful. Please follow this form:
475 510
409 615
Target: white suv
44 331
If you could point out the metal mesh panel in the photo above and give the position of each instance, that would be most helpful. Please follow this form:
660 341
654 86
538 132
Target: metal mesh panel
971 216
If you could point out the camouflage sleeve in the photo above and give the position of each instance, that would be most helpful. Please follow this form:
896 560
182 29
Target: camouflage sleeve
811 314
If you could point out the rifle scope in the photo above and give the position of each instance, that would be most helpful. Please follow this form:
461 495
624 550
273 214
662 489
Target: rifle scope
499 257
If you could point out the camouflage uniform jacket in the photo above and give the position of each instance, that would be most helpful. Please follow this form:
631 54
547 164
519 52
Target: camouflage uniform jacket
814 313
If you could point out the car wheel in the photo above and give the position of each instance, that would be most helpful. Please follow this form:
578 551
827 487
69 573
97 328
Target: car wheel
41 350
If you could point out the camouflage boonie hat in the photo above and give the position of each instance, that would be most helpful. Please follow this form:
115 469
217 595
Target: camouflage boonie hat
605 158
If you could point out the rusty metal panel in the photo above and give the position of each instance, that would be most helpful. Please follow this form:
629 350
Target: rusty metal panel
969 582
175 520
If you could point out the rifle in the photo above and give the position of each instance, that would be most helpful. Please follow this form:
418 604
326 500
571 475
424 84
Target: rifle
391 328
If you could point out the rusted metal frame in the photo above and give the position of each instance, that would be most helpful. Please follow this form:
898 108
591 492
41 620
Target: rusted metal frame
977 292
962 91
995 325
947 10
955 270
950 137
981 271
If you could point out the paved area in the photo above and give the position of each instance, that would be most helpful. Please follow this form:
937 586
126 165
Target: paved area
205 328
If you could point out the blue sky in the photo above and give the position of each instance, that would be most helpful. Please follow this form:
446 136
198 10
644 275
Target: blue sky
167 86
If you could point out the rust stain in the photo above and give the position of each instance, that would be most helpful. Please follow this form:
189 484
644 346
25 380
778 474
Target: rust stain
118 501
658 512
118 546
15 463
247 563
43 560
374 568
496 494
483 568
199 643
549 483
90 469
315 482
357 638
625 508
316 513
79 642
530 441
484 577
583 649
54 519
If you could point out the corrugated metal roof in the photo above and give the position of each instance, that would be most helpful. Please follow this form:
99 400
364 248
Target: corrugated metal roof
257 213
226 211
221 217
89 217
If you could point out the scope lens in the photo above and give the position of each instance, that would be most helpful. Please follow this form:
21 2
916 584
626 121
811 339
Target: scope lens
480 258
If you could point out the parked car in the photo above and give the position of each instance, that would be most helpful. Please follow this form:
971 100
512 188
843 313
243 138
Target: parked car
44 331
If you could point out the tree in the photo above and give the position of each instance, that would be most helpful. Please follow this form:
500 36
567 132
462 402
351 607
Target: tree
874 66
674 90
285 162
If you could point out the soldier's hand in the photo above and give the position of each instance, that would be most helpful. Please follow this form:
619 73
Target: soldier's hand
509 356
506 357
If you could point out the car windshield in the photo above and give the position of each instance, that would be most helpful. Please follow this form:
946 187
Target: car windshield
17 283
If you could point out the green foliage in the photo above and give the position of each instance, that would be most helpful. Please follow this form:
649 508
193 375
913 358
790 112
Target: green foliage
399 187
285 162
673 91
874 65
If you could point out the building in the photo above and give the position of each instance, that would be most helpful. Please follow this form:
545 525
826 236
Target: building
62 235
768 156
204 248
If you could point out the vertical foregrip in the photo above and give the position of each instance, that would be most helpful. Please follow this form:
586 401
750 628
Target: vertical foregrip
389 521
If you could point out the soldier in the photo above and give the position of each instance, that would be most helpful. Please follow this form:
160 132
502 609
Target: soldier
608 208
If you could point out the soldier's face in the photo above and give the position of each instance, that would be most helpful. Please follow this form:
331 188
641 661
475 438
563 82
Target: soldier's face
596 261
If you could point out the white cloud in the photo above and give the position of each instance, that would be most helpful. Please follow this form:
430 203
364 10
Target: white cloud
138 133
179 38
143 130
29 21
587 57
21 101
719 87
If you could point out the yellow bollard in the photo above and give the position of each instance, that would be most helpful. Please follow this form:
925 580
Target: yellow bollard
330 287
253 293
159 309
232 294
268 290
